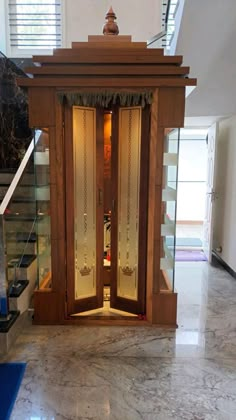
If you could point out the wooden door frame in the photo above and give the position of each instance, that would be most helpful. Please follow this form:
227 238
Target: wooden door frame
50 305
87 304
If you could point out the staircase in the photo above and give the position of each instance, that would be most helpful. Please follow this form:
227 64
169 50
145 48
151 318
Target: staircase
25 213
20 239
164 38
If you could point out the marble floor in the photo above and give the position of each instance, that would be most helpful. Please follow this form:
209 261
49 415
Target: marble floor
134 373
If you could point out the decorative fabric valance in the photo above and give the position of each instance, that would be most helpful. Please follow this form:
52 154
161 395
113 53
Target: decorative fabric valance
106 98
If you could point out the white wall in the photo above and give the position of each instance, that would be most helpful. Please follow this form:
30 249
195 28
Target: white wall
139 18
207 42
225 208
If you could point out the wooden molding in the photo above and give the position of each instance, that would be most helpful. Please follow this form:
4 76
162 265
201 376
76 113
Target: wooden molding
43 99
145 57
107 70
48 307
165 304
108 43
114 82
171 106
115 39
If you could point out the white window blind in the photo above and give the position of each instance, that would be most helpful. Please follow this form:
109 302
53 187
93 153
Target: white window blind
34 24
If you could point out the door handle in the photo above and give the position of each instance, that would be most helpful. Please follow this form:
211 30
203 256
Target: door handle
213 195
113 206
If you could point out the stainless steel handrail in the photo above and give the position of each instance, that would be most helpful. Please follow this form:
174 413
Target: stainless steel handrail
164 32
18 174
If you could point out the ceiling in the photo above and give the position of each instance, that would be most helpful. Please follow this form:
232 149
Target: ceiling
207 40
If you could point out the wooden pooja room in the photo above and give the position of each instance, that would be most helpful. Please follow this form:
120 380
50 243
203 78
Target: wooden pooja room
109 111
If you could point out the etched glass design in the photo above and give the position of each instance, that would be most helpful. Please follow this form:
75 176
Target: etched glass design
128 199
84 145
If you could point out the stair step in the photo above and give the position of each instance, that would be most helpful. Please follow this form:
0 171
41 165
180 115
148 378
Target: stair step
12 226
21 208
24 217
26 184
20 296
42 192
21 237
5 325
26 248
12 330
21 217
7 177
42 225
25 261
17 289
27 271
27 206
20 191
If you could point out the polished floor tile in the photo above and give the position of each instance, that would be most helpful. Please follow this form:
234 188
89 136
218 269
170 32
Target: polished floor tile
138 373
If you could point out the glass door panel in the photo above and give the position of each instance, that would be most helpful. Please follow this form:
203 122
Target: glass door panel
84 207
107 201
128 202
130 151
84 144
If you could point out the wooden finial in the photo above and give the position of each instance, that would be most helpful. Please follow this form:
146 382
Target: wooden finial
111 27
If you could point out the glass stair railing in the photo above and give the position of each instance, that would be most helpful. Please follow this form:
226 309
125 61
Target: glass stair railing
164 38
25 230
42 196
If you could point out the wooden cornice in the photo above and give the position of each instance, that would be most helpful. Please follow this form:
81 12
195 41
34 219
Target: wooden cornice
85 53
115 82
106 70
112 58
106 43
108 63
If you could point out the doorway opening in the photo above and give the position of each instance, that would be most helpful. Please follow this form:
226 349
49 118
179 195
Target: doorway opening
106 201
106 272
191 208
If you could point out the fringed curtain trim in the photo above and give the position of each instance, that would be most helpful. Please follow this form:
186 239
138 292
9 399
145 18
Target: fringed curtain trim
105 99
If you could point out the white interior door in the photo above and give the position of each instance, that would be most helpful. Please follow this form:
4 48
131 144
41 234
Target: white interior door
210 192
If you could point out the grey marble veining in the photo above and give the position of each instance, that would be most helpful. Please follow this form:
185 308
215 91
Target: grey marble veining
138 373
127 388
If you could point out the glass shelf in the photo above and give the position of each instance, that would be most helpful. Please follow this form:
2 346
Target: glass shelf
169 199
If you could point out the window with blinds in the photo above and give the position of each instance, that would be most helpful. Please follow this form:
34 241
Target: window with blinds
34 24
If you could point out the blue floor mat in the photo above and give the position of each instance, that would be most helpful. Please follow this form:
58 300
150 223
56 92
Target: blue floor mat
11 375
